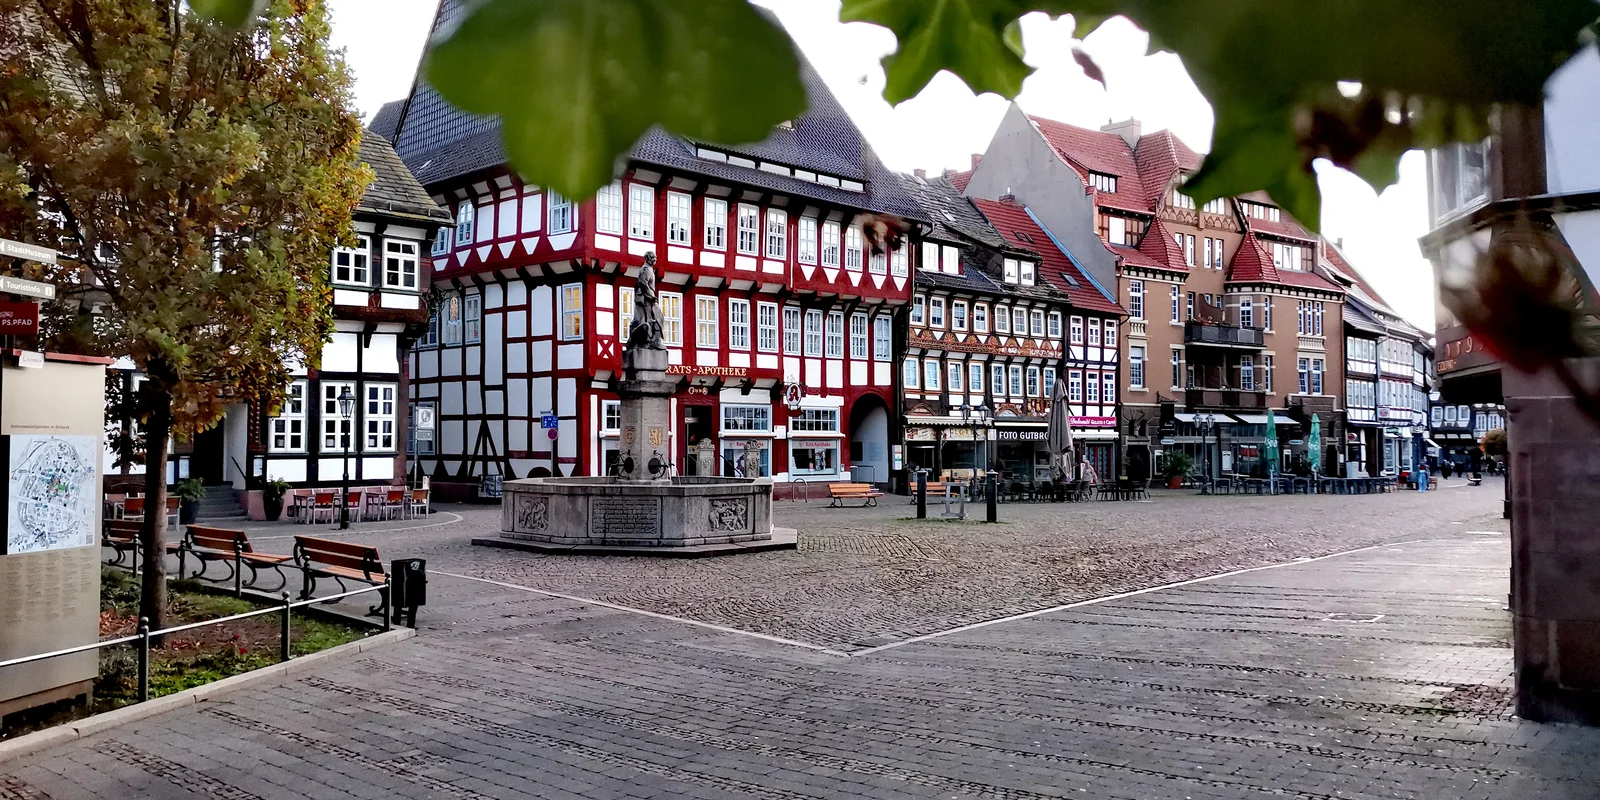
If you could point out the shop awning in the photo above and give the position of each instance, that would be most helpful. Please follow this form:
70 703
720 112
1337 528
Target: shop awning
1261 419
1433 444
1006 423
1094 434
1185 417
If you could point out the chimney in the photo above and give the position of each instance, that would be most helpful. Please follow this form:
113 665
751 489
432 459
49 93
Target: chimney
1008 198
946 172
922 174
976 157
1339 244
1129 129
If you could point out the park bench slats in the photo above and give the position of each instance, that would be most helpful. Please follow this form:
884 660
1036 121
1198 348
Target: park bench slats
840 492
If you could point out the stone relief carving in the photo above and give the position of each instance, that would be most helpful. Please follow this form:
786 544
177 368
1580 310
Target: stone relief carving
533 513
730 514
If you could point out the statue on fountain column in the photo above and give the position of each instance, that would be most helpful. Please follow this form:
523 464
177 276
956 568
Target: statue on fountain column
645 329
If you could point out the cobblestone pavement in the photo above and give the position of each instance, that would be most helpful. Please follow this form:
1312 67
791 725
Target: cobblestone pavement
1382 673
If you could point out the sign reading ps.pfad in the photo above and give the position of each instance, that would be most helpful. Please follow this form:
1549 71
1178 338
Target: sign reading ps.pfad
19 318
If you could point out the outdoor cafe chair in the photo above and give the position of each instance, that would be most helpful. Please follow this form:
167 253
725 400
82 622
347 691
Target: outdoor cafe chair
321 505
133 508
418 503
393 504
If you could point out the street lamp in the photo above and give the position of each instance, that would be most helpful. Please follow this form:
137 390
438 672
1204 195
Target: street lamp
347 409
1205 421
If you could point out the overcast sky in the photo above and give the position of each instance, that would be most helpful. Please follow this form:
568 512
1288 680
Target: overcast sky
946 124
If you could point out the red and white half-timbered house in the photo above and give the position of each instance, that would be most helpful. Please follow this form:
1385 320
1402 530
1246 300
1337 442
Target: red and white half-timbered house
777 312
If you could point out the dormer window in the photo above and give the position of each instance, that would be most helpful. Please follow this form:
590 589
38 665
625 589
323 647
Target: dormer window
465 216
353 265
1103 182
1181 200
1217 206
1019 272
1263 211
1027 273
441 242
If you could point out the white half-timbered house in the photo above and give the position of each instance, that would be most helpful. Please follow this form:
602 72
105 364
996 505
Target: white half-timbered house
770 285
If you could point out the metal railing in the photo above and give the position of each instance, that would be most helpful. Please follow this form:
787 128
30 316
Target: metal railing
144 635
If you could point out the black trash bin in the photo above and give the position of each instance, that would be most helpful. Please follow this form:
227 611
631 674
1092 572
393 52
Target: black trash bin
408 589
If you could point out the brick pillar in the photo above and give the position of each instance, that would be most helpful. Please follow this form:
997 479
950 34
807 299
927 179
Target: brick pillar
1555 545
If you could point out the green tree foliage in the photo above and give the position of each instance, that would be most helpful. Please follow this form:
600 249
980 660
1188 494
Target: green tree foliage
196 175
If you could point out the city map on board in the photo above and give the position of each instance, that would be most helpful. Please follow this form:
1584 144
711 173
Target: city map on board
53 493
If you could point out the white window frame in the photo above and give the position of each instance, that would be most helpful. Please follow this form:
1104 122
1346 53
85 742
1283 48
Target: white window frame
835 335
777 238
813 332
897 262
1108 387
791 331
954 372
338 433
560 213
680 218
932 375
997 379
859 341
1035 381
936 312
472 318
671 304
1091 387
853 248
706 326
608 209
378 421
1054 328
641 212
716 224
1136 299
1110 338
975 377
1136 367
1002 319
738 324
450 317
749 230
767 327
1009 271
958 315
1036 323
1075 386
1029 271
806 244
980 317
1015 384
831 243
911 373
400 264
357 261
571 296
1075 330
466 218
441 241
286 430
883 338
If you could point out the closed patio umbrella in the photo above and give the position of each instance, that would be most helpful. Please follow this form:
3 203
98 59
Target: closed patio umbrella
1271 446
1314 445
1059 437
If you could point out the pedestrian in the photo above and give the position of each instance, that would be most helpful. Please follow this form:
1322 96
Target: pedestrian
1444 469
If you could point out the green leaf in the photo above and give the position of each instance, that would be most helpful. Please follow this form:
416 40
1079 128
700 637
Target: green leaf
235 14
966 37
576 82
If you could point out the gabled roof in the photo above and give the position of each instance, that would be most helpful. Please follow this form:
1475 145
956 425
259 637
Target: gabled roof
441 142
1056 268
394 192
1160 247
1251 262
959 179
1285 226
953 215
1132 256
1161 156
1357 317
387 121
1086 150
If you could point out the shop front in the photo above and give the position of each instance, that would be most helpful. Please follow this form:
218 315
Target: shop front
947 449
1022 451
1096 440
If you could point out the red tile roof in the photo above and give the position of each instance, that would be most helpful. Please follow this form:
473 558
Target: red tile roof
1337 259
1158 245
1252 263
1086 150
1132 256
1286 226
959 179
1161 156
1056 268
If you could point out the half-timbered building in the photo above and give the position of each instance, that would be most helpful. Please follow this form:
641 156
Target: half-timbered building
778 310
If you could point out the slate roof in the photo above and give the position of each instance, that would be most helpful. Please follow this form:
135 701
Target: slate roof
1056 268
440 142
1357 317
394 192
387 121
953 215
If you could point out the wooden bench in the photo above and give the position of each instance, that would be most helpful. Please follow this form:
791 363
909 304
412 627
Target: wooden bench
330 558
840 492
122 536
936 489
232 548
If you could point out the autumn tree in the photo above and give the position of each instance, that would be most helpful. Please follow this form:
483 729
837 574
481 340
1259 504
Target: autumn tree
196 175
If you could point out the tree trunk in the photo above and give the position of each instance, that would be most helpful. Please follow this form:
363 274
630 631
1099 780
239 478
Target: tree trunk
153 533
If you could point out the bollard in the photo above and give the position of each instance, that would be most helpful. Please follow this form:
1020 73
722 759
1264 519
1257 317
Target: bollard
922 495
283 641
385 597
238 566
144 659
991 491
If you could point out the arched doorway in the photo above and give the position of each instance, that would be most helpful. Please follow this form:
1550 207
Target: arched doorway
869 440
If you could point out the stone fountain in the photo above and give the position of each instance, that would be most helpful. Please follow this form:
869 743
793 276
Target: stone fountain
643 509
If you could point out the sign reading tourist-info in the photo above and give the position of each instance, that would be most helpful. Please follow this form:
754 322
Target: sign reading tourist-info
53 487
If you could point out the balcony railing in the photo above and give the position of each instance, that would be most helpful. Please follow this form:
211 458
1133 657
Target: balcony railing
1225 398
1223 335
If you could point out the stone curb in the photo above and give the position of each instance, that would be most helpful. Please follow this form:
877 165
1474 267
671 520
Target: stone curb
72 731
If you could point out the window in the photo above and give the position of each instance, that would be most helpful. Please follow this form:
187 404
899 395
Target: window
399 264
1266 313
671 318
1215 260
716 224
1181 200
739 324
1049 381
466 216
350 265
1103 182
624 309
807 244
430 338
919 305
980 318
1136 367
816 420
1028 270
767 327
1136 299
1117 230
1033 381
679 222
1207 262
1176 309
1108 387
852 248
951 259
975 377
1247 373
1011 270
641 212
1094 332
1016 380
705 322
1019 322
883 338
814 457
958 315
912 373
1437 414
1076 329
830 244
1450 414
897 261
561 212
835 334
858 336
441 242
1002 319
791 330
955 374
930 256
1177 367
746 417
1075 386
1460 177
450 319
288 428
336 431
1036 319
473 311
1266 373
777 234
380 416
611 415
1055 325
877 263
1316 376
930 375
1247 316
749 229
1305 375
1188 247
936 312
608 209
813 333
1217 206
1091 387
572 311
1111 333
1190 301
997 379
